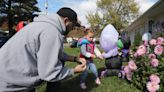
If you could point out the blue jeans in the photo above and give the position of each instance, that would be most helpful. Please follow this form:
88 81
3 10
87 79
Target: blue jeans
90 66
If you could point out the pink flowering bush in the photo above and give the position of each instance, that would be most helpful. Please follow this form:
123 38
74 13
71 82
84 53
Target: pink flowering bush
152 86
152 56
141 50
154 62
154 78
153 42
160 40
145 70
132 65
158 50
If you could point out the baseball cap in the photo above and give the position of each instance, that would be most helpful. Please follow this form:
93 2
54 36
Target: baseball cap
71 14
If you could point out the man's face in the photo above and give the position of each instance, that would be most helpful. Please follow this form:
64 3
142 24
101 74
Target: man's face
69 27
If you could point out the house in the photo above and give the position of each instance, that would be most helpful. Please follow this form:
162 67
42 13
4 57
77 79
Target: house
152 20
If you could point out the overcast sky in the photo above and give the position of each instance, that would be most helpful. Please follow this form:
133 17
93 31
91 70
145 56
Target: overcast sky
82 7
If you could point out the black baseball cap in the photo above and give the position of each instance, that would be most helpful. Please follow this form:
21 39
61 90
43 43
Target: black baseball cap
71 14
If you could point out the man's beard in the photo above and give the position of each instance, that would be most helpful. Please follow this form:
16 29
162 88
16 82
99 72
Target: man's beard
68 29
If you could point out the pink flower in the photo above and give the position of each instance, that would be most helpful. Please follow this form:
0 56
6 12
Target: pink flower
127 69
154 78
129 76
158 50
135 54
152 56
145 43
132 65
122 67
160 40
154 62
141 50
153 42
128 72
152 86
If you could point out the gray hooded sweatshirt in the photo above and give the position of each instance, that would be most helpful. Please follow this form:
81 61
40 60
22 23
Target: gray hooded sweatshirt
34 54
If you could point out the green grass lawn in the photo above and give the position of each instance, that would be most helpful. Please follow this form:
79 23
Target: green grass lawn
109 84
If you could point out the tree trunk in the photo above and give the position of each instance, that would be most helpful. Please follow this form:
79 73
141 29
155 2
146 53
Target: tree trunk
10 20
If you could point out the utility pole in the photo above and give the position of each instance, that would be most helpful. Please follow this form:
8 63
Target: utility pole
46 7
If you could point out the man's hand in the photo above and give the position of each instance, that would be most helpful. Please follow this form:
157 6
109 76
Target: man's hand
81 61
79 68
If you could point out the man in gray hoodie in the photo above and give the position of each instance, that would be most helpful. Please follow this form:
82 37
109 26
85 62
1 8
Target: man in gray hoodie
35 53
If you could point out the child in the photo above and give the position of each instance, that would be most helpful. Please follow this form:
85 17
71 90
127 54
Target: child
88 48
108 42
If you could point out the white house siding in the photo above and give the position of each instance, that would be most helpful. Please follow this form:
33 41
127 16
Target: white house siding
132 35
142 25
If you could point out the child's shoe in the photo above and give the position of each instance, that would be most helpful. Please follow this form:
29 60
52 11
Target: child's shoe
97 81
83 86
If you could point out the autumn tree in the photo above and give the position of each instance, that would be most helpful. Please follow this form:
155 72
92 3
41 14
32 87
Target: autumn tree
117 12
